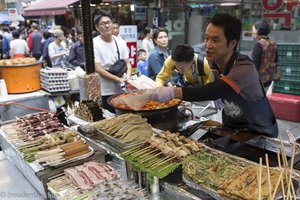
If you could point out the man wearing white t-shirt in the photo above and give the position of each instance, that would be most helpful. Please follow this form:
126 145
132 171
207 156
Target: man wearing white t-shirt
105 53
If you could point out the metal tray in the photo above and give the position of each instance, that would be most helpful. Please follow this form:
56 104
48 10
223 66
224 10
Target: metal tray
242 161
91 151
116 142
271 144
207 190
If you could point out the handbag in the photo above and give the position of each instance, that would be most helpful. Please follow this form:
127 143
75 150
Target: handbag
277 73
120 66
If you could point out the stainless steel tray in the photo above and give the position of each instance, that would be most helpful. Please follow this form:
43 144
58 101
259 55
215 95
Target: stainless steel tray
116 142
242 161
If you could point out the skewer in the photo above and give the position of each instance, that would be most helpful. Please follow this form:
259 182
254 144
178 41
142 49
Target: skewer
285 164
149 158
277 184
148 154
269 178
142 151
166 167
152 162
162 162
281 180
132 149
259 179
290 183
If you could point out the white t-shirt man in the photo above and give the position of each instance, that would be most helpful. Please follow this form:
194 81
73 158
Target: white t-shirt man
54 48
106 54
18 46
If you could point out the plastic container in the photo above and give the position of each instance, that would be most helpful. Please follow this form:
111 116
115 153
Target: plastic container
21 78
285 106
287 86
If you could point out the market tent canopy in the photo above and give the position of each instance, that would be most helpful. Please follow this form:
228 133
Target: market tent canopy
4 19
48 7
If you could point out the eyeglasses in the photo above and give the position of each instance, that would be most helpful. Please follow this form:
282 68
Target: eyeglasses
105 23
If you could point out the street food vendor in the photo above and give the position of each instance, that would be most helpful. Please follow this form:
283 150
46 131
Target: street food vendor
245 104
193 69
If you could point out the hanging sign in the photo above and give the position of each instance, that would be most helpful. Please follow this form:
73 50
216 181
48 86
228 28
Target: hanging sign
273 10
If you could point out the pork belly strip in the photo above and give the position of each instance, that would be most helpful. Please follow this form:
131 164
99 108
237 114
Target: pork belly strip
80 178
94 177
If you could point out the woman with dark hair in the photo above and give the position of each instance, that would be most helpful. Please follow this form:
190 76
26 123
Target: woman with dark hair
264 52
147 42
159 54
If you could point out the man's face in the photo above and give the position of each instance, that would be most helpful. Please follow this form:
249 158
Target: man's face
216 48
182 66
104 26
80 37
115 29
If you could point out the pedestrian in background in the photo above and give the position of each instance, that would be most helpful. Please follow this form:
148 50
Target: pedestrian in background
142 65
159 54
18 47
77 54
36 38
193 69
115 28
264 52
147 42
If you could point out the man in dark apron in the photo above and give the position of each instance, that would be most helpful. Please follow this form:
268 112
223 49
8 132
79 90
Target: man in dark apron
237 82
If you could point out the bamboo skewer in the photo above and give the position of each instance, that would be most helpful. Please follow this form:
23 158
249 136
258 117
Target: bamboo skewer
290 183
277 184
149 158
281 180
259 178
148 153
285 164
132 149
152 162
166 167
269 178
158 161
159 164
141 151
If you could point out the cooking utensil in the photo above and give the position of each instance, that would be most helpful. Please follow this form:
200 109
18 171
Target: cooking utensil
198 134
136 102
225 140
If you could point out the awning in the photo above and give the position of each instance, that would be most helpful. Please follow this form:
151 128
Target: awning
48 7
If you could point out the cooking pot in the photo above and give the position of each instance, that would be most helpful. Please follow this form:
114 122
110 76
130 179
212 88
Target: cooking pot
163 119
21 78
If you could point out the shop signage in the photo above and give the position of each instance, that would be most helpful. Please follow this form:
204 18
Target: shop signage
2 4
140 13
129 34
274 9
12 10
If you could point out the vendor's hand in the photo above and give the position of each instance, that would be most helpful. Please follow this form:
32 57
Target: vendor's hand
163 94
219 104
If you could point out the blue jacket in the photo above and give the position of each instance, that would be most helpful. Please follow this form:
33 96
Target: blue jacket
155 62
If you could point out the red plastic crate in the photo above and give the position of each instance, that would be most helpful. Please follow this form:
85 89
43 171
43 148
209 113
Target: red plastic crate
285 106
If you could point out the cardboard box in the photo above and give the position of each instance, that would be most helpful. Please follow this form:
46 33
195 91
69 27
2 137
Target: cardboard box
285 106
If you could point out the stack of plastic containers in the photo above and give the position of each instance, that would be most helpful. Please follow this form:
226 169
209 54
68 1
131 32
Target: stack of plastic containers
54 80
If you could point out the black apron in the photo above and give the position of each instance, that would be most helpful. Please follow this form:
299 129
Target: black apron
255 116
